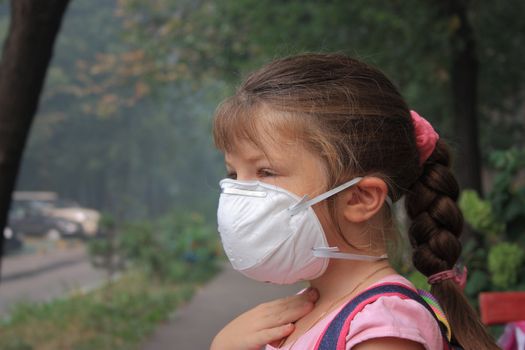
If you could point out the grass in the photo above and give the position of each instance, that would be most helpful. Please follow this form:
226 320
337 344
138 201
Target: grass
120 315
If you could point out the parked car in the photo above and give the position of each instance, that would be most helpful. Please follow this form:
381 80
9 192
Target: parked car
31 219
59 208
12 242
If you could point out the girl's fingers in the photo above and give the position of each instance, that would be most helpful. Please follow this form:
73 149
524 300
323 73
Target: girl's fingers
274 335
266 323
287 310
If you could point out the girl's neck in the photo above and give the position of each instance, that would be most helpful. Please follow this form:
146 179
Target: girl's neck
342 280
343 276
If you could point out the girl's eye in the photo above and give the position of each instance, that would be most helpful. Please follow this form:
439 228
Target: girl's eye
266 173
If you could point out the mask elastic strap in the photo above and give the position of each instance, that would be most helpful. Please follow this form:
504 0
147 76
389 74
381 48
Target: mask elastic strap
305 203
333 252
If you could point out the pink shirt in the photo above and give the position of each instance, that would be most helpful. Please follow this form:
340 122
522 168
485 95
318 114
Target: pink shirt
388 316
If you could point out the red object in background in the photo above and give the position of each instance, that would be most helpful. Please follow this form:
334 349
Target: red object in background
502 307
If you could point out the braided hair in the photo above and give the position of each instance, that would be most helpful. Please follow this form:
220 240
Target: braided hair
437 223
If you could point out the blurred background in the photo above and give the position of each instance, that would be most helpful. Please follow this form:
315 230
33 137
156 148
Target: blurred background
115 200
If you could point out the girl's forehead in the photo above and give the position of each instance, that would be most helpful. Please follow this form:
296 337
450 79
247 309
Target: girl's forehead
246 150
270 149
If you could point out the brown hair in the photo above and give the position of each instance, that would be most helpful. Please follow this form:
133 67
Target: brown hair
353 117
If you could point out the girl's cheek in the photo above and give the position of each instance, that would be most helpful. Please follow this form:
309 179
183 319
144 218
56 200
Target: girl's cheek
329 227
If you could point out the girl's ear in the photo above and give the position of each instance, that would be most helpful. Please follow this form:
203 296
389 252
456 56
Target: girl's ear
364 200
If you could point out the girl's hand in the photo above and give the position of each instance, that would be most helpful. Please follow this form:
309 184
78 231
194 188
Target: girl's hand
266 323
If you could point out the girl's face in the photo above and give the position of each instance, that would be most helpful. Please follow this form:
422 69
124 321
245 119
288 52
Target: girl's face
289 165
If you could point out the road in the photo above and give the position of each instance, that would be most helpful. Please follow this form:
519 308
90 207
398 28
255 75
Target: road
46 274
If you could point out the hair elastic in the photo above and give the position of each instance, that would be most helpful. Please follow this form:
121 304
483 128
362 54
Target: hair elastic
458 274
426 136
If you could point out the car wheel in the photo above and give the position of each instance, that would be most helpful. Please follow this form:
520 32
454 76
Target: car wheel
53 234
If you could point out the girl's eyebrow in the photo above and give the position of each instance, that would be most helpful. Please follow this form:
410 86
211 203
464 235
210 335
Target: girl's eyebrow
252 158
257 159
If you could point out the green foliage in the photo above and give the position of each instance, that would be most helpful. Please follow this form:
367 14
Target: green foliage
176 247
118 316
133 85
224 39
480 215
99 248
114 135
407 39
500 39
505 262
507 195
16 344
418 280
478 280
496 260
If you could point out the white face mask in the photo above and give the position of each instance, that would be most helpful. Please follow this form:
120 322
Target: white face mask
272 235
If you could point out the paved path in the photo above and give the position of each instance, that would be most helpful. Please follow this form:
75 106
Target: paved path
46 275
26 264
194 325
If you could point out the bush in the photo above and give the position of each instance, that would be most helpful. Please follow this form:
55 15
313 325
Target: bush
496 259
504 262
480 215
508 195
176 247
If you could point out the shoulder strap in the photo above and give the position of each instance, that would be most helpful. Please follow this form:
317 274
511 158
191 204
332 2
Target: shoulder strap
334 336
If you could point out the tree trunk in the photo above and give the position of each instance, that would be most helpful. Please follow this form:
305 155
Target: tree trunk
26 56
464 79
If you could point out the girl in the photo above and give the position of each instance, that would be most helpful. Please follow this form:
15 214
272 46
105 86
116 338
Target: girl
317 146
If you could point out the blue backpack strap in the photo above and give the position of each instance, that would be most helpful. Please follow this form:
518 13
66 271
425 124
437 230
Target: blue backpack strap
334 335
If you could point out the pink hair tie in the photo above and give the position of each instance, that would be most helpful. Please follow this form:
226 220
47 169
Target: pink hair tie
458 274
426 136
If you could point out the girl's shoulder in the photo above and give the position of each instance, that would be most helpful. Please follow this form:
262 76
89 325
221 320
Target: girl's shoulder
391 316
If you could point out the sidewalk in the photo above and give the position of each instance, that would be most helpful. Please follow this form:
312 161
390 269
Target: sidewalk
193 326
46 275
24 265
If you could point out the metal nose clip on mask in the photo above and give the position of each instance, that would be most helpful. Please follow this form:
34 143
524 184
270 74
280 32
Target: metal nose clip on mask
272 235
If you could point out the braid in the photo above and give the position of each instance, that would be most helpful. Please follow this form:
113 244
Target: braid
437 223
436 219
